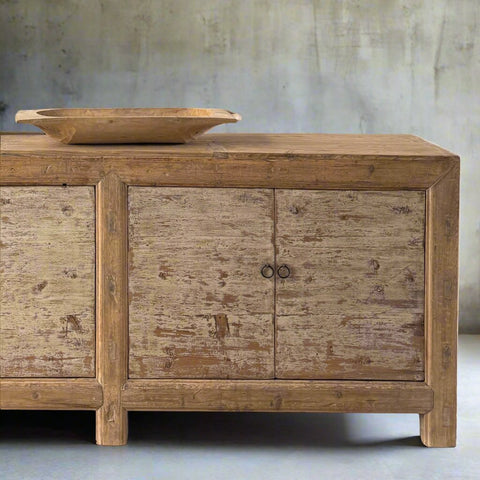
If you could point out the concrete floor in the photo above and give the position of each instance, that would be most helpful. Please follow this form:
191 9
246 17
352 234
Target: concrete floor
59 445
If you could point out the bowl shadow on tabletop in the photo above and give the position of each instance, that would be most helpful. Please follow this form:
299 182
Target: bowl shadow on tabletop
194 429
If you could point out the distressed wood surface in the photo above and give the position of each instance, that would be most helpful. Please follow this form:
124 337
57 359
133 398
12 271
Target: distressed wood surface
50 394
199 306
353 306
112 309
352 145
393 308
277 396
47 282
439 427
310 161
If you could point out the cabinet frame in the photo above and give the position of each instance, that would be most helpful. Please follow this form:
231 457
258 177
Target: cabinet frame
258 161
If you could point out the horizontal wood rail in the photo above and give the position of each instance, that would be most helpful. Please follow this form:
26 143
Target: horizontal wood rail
277 396
50 394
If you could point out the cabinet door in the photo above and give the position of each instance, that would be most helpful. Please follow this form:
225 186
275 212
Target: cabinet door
198 304
47 282
353 305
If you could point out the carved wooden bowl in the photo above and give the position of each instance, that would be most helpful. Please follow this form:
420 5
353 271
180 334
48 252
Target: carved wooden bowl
126 125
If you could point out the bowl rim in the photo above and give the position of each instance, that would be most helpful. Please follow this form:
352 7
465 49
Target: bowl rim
125 113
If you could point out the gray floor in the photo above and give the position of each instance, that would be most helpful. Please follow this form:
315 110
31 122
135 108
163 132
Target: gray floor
59 445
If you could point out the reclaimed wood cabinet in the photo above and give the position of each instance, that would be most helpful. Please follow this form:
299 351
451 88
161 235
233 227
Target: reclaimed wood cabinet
240 272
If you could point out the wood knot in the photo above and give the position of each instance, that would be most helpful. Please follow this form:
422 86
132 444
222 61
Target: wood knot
111 223
413 242
72 324
111 414
277 402
374 265
70 273
222 328
67 210
409 276
112 286
446 356
164 272
405 210
39 287
363 360
352 196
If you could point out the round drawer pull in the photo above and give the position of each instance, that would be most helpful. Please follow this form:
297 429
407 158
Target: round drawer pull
283 271
267 271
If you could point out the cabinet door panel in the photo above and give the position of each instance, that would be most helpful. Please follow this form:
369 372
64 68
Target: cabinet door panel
353 306
47 282
199 306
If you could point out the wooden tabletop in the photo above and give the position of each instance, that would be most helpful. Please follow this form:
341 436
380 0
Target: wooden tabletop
224 145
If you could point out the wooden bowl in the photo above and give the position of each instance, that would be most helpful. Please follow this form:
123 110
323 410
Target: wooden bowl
126 125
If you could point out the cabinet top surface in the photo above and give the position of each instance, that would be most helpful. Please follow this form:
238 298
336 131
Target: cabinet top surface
408 146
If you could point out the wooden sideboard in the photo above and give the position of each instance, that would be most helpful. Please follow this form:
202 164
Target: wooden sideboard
240 272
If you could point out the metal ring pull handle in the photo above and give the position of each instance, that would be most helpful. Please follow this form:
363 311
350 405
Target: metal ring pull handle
283 271
267 271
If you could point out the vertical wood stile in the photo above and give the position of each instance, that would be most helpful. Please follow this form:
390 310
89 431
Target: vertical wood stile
112 308
438 427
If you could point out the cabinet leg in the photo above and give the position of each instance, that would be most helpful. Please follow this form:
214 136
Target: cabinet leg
111 426
438 428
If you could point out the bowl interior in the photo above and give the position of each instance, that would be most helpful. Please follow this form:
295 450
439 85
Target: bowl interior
135 112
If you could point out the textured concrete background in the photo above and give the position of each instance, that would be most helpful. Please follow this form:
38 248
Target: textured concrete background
382 66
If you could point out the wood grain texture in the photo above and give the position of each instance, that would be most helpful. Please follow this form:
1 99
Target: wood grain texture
342 260
112 308
311 161
47 282
199 306
125 125
250 143
50 394
353 306
438 428
277 396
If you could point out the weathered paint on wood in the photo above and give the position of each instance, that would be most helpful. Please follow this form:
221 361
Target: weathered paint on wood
439 427
47 282
199 306
321 162
353 305
277 396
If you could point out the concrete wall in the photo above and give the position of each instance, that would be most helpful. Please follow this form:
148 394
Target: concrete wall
377 66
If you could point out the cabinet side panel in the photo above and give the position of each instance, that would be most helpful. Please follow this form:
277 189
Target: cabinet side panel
47 282
198 304
353 306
